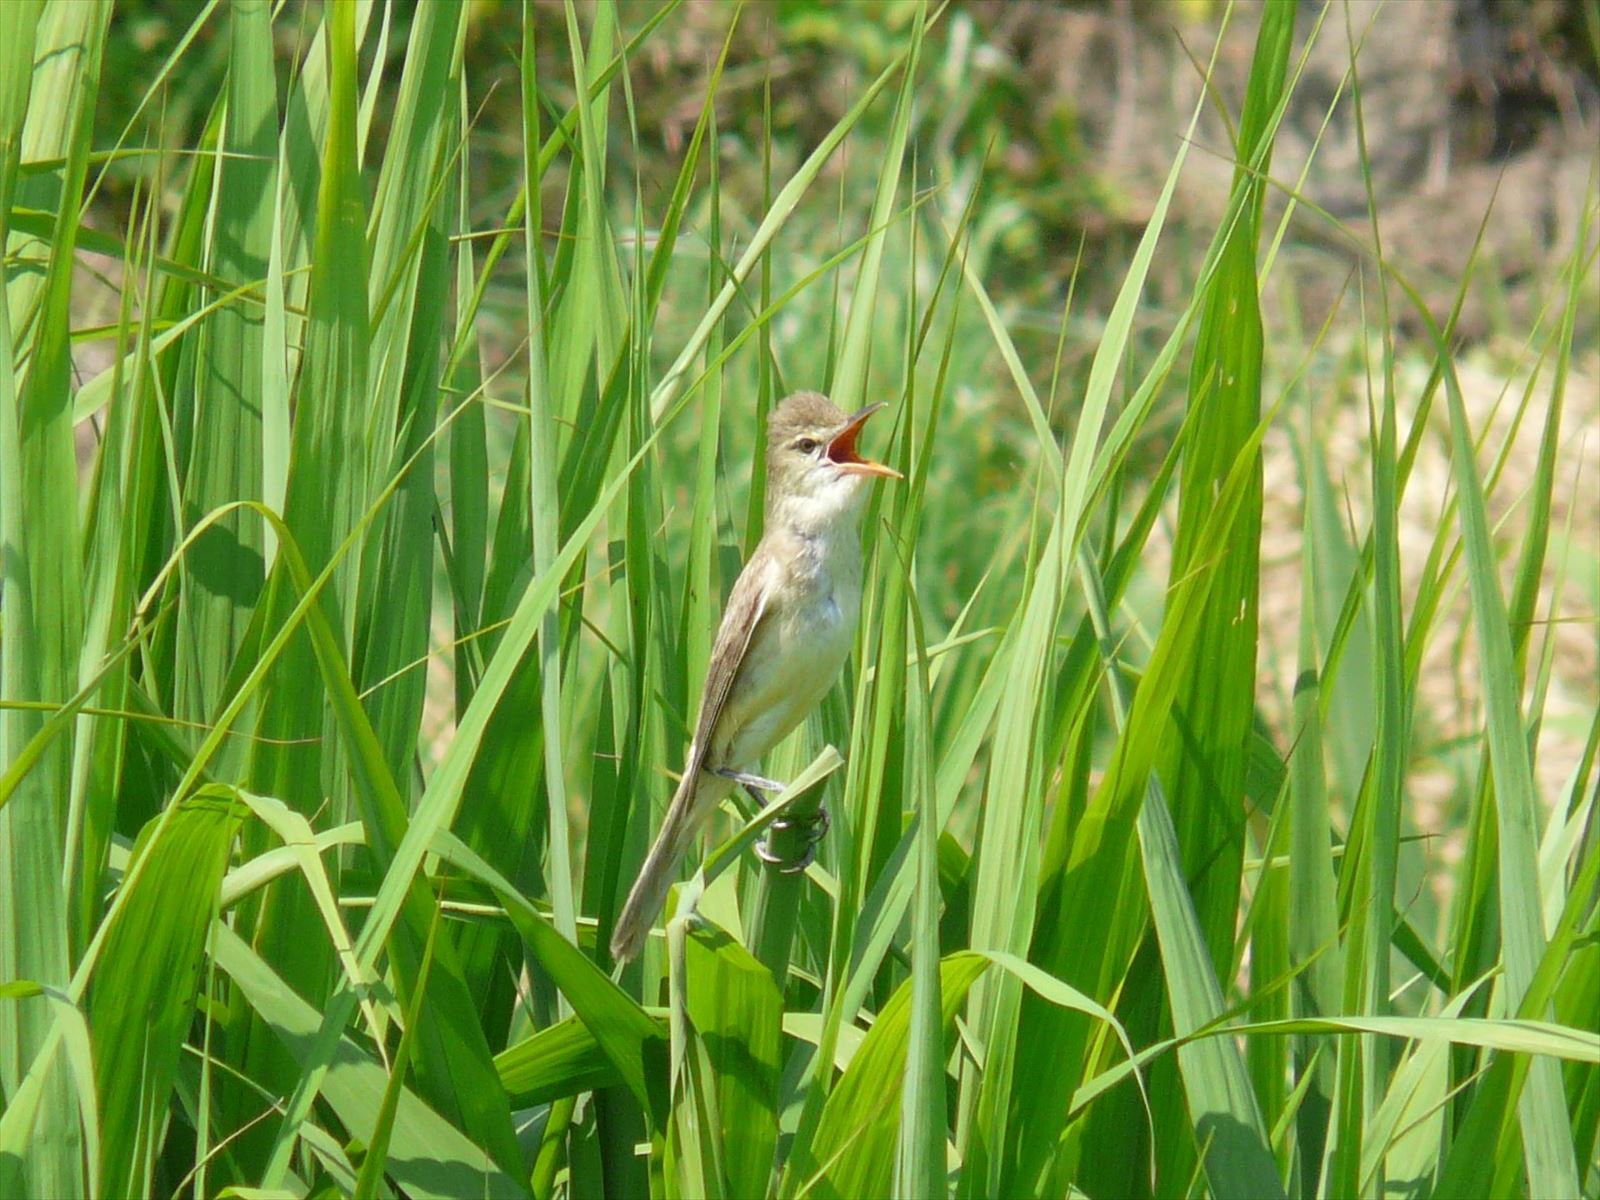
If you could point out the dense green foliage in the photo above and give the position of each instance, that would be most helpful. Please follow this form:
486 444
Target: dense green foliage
351 631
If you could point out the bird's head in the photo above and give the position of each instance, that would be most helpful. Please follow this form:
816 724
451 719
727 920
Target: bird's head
814 474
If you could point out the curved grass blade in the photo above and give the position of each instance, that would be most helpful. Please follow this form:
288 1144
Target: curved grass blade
429 1156
142 995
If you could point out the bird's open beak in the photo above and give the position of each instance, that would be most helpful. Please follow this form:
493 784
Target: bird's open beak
842 448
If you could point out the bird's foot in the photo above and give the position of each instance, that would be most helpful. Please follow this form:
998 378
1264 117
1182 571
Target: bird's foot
809 830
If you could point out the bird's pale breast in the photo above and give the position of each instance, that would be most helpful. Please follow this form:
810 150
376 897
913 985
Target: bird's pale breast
794 657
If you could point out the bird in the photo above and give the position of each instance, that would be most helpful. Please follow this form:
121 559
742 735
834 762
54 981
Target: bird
784 636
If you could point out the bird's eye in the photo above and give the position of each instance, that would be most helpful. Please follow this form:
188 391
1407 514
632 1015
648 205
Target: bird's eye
806 446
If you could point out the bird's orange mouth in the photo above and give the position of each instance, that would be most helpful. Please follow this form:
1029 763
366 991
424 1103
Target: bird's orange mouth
842 448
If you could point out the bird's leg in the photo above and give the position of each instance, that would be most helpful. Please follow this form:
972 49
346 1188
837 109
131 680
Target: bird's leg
808 830
754 784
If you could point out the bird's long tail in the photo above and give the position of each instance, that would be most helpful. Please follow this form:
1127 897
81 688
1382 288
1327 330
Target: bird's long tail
695 799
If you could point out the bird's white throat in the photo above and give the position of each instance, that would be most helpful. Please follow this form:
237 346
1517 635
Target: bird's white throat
826 507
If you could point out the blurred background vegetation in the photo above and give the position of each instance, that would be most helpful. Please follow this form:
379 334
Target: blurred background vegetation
1043 133
1067 110
1063 115
1057 120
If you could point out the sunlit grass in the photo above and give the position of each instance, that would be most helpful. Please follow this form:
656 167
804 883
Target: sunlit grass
359 576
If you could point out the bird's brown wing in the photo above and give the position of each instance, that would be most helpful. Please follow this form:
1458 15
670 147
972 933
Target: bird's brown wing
746 609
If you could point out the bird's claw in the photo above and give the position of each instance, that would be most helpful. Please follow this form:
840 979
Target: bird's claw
812 828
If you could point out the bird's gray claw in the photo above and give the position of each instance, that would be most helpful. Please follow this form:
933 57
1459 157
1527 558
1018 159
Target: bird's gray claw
815 829
796 868
765 854
778 862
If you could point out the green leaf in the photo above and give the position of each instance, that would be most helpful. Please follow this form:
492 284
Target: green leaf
41 565
920 1168
734 1011
142 995
563 1059
227 567
854 1143
428 1156
630 1037
1546 1135
20 1119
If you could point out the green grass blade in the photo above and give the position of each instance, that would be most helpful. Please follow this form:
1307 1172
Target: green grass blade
1380 807
1547 1138
19 24
454 1055
631 1039
383 1128
428 1156
324 489
1214 713
1002 912
227 570
20 1119
1215 709
561 1060
920 1152
734 1008
1227 1119
142 994
671 383
854 1144
397 619
325 492
42 566
547 404
1313 916
1223 1109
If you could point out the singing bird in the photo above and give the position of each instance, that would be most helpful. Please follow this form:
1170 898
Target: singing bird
784 635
